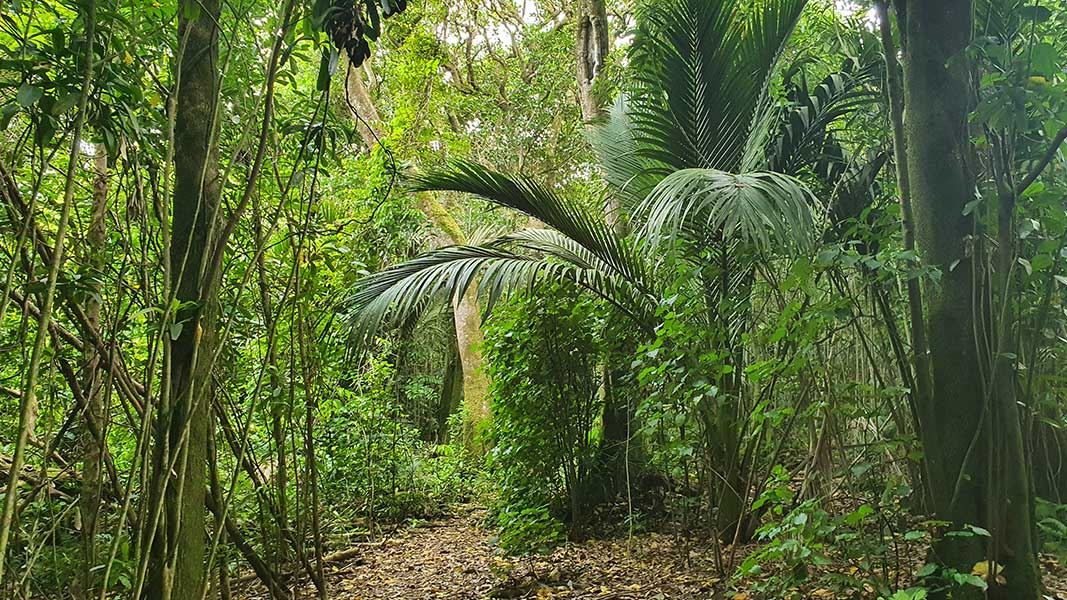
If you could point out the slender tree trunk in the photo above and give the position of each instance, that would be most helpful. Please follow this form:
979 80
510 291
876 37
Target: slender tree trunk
311 407
93 448
591 52
592 43
176 566
465 311
970 426
920 396
278 408
451 394
895 94
28 406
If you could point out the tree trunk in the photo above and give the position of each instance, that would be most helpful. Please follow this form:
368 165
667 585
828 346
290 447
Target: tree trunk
970 426
451 394
362 107
278 408
475 383
465 311
176 565
92 447
591 51
615 427
28 405
920 364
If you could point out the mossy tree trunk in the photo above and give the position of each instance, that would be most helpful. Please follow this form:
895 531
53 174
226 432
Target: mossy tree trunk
92 440
970 427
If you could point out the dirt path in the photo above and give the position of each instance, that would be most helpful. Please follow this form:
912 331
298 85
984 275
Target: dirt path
443 559
453 559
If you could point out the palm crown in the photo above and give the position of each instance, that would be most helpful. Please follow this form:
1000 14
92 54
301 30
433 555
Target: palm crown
686 150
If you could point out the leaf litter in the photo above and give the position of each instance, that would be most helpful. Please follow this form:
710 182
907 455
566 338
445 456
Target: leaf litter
453 558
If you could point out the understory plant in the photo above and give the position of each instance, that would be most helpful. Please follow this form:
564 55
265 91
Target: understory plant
543 356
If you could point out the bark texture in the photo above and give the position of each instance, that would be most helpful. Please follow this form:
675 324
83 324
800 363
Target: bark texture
970 427
93 416
176 565
591 51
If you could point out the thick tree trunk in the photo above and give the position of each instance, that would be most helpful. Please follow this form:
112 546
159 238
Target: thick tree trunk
362 107
176 565
970 426
475 383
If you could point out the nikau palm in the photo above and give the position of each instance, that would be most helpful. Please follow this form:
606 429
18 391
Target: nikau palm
687 153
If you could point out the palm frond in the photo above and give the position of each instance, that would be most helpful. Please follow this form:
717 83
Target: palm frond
765 209
395 294
630 174
855 190
702 70
805 135
521 193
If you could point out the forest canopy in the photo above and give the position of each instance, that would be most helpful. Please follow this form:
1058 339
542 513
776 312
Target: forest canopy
533 299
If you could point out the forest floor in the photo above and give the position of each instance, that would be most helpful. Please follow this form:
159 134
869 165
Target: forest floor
453 558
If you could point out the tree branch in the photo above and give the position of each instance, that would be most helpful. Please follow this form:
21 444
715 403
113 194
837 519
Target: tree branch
1034 173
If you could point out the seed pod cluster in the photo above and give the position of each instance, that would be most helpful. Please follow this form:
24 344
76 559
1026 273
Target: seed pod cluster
346 29
349 28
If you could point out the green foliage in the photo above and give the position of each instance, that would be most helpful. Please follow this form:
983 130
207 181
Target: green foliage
741 297
543 359
1052 523
527 528
377 464
803 543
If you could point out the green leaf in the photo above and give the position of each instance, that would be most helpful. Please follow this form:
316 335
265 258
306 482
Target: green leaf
191 10
28 95
1036 13
6 114
1044 58
1041 262
373 22
970 579
926 570
65 103
329 57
